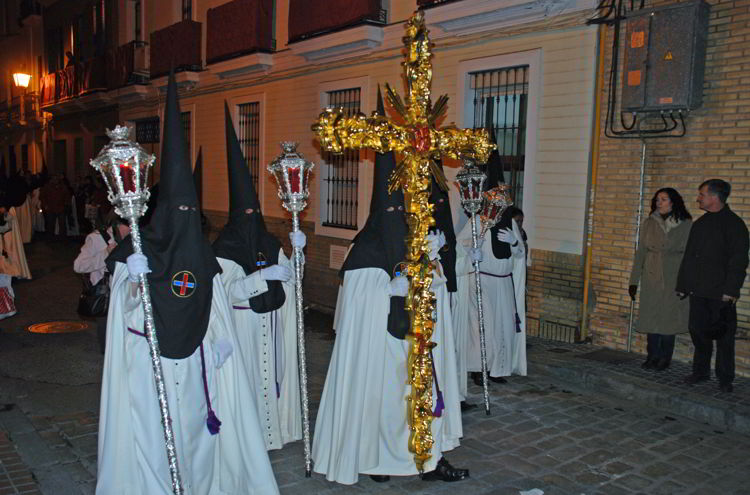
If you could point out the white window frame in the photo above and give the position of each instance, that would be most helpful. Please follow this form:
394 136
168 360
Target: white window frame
532 58
234 110
366 163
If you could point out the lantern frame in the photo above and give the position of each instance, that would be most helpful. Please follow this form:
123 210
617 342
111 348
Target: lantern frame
292 174
471 181
124 166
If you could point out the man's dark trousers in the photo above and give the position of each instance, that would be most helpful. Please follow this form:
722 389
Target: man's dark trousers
703 314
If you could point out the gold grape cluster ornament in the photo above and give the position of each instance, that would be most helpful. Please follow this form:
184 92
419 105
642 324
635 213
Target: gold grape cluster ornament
420 144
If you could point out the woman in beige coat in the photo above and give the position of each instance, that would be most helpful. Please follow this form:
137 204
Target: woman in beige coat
657 260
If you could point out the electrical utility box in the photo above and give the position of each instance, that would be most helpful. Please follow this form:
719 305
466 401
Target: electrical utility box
665 58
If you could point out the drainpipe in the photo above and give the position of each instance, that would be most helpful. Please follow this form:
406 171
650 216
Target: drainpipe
584 332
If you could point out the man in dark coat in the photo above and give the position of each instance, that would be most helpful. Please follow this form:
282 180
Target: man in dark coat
712 273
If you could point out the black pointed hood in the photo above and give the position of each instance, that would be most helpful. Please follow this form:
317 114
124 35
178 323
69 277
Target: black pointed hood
198 177
444 222
198 181
494 171
244 238
382 241
182 263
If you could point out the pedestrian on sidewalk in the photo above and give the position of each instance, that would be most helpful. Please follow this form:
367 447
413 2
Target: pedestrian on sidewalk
91 261
662 314
712 273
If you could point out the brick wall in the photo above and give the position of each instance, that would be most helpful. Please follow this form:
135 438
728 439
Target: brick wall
554 287
715 146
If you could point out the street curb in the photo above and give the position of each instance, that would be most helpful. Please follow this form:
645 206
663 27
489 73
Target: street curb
683 403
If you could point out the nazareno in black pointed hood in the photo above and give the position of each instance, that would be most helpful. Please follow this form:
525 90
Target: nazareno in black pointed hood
244 238
494 171
382 241
182 263
444 222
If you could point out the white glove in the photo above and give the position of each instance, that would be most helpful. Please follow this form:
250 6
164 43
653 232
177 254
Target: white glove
276 272
436 242
137 264
399 286
508 236
476 254
299 239
222 350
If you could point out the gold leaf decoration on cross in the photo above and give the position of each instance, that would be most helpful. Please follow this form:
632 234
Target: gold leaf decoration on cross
420 143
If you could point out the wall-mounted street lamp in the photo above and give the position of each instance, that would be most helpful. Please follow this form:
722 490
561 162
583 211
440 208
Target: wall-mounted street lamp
21 79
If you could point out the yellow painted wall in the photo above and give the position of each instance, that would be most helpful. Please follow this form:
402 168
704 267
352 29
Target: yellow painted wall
291 93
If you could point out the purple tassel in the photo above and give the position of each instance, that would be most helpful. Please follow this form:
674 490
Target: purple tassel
278 390
518 324
213 423
439 406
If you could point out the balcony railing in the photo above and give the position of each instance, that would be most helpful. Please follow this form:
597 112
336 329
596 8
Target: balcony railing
4 114
29 7
126 65
308 18
74 81
178 46
238 28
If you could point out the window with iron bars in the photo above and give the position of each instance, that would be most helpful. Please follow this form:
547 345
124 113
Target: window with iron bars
185 119
341 176
249 137
187 10
502 96
147 130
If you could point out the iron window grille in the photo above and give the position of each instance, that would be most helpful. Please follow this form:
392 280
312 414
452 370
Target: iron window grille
147 130
342 171
185 119
504 94
187 10
249 137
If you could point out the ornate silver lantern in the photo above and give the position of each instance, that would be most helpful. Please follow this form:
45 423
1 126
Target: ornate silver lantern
470 180
292 172
124 166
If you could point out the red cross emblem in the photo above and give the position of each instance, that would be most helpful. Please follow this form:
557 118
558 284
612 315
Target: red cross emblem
183 284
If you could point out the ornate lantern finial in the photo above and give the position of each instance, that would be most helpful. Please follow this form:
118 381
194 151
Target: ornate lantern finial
496 201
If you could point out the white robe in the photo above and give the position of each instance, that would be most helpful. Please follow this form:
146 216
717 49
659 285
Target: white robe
131 455
361 425
15 264
502 298
24 220
269 343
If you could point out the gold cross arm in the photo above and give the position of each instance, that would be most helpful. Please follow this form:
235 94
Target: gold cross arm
336 132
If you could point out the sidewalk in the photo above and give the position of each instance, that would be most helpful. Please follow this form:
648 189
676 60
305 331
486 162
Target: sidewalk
619 374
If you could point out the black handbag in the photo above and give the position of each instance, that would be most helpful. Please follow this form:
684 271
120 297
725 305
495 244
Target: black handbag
94 299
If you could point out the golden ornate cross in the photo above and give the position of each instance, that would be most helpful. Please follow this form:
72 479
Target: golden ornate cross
420 143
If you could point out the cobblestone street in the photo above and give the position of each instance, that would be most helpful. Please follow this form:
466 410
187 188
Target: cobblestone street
545 432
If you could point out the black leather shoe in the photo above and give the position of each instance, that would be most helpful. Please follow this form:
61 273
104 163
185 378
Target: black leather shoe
726 387
692 379
467 406
380 478
445 472
497 379
476 377
648 364
661 364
